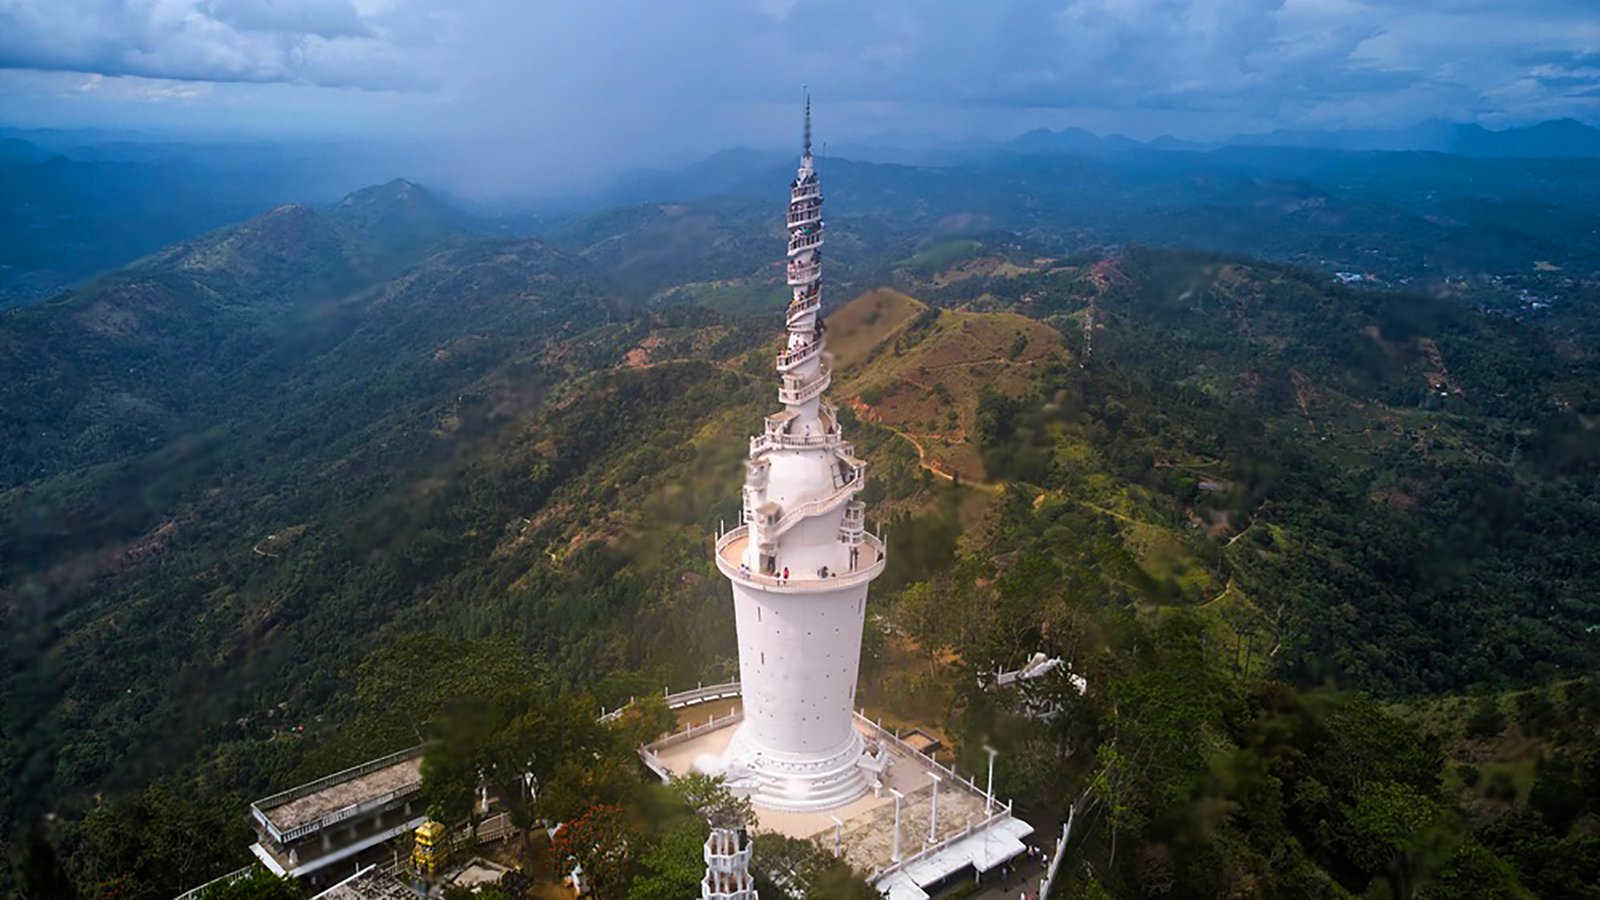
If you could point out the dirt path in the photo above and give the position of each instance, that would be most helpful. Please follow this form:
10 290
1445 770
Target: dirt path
924 462
1112 513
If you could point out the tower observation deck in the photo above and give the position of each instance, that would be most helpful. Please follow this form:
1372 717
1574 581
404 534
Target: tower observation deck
801 561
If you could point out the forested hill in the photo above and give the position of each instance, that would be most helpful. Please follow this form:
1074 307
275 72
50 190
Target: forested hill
276 378
250 478
1404 487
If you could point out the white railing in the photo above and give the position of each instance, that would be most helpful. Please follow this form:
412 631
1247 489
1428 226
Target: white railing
259 808
654 764
804 272
803 305
951 777
776 437
1054 866
774 440
227 879
788 359
495 827
652 759
792 391
692 732
930 849
803 216
841 494
800 242
702 694
799 581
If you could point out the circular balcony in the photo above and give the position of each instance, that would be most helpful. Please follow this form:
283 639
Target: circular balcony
730 554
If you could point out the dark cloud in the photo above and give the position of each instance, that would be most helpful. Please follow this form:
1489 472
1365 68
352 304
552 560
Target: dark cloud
557 89
325 43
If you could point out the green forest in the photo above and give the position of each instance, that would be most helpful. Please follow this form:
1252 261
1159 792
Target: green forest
296 493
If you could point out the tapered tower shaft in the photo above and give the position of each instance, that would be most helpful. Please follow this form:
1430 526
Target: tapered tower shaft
801 561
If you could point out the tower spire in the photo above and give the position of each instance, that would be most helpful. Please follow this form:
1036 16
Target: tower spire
808 122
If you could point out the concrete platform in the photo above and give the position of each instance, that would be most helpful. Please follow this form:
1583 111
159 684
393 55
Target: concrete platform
970 831
399 778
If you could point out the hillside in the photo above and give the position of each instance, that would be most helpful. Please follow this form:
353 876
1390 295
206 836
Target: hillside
1321 428
242 471
919 371
190 418
132 359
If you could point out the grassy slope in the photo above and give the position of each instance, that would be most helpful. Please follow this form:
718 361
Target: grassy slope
919 371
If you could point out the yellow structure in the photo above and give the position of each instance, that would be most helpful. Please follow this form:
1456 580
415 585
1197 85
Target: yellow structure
430 852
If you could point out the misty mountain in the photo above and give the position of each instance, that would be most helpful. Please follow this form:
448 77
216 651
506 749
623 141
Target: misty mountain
16 151
1551 139
69 210
134 358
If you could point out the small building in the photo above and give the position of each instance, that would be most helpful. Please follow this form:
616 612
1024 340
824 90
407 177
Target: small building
339 818
430 852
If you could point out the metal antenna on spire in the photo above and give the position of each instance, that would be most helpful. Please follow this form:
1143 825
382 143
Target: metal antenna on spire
808 120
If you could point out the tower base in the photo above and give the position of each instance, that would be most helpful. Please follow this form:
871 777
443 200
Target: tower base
795 782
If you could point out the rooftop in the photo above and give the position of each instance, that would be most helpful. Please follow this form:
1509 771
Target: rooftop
371 883
314 802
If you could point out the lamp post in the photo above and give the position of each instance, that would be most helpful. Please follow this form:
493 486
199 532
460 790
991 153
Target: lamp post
988 800
933 811
894 854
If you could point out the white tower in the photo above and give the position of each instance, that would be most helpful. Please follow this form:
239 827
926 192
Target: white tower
801 562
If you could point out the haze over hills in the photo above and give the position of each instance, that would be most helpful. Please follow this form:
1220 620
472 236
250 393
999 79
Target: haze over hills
239 468
82 202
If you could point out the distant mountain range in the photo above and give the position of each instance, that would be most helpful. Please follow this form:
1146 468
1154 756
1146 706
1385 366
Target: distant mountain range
1557 138
75 203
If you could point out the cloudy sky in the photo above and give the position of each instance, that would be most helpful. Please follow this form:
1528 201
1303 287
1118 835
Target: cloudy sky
571 87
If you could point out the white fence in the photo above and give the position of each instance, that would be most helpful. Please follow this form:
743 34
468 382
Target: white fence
951 777
1054 867
229 878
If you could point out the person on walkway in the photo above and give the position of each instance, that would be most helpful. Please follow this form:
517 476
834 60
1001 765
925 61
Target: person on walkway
785 574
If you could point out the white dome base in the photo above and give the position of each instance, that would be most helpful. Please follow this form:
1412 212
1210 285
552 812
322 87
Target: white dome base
798 783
